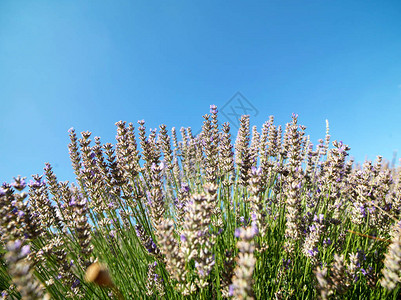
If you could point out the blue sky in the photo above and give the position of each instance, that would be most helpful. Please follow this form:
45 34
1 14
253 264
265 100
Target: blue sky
89 64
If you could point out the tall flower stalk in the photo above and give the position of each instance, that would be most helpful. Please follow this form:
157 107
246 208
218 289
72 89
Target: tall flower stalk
276 215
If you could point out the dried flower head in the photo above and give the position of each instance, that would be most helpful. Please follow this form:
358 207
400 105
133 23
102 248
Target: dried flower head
98 274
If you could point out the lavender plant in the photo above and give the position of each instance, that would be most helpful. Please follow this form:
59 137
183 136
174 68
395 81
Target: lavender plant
270 217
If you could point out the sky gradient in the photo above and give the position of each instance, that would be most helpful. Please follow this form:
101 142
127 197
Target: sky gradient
89 64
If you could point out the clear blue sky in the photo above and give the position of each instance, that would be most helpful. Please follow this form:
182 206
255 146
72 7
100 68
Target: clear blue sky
88 64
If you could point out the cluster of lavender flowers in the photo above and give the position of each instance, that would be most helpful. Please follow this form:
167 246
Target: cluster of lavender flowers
269 215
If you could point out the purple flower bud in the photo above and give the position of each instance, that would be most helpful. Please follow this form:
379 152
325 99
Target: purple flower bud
138 233
25 250
255 229
315 218
184 187
256 170
286 263
36 183
313 252
183 238
75 284
17 244
237 232
152 247
19 184
231 290
213 109
179 205
362 210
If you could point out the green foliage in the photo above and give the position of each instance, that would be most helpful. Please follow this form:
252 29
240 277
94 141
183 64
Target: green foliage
181 220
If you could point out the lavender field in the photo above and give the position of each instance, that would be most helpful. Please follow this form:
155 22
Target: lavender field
262 213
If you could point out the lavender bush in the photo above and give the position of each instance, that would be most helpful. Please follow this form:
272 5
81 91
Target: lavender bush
270 216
